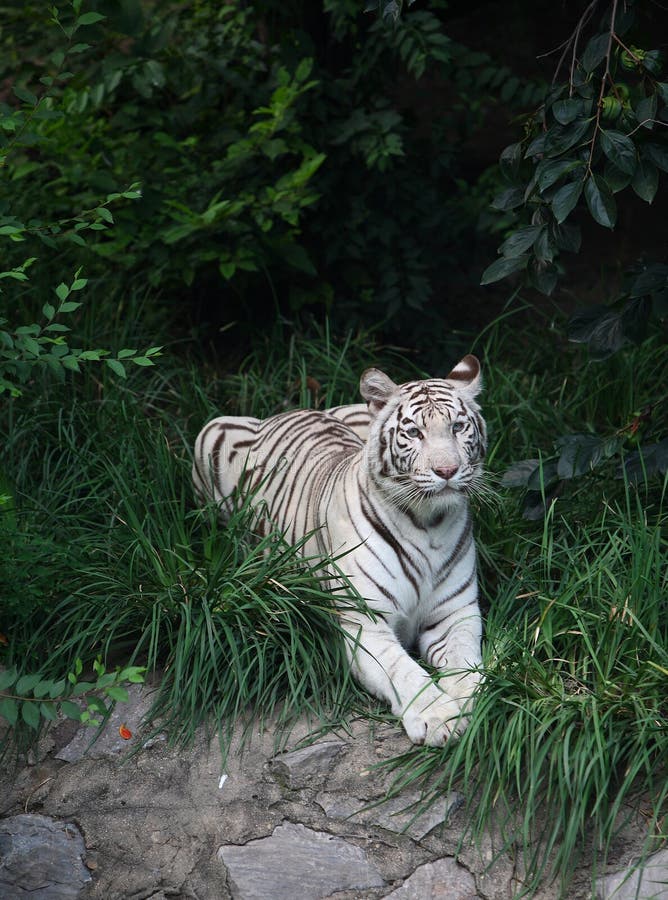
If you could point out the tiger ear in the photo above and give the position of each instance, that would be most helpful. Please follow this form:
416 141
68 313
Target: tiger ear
467 375
376 388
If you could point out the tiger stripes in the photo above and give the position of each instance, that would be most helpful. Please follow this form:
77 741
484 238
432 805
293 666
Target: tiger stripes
387 484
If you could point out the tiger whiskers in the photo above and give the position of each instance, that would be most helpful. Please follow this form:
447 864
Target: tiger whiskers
479 488
405 494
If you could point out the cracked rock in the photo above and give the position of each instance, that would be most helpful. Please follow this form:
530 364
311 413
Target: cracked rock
295 861
298 767
41 857
398 814
443 879
108 742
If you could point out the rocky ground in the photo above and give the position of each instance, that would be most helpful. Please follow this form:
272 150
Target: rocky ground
138 819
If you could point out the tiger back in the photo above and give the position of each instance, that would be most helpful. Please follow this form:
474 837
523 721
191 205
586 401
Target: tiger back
396 503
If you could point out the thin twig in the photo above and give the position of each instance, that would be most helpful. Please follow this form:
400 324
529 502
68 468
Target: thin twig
604 80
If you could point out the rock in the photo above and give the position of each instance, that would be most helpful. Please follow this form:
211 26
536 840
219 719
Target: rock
647 879
88 742
299 767
443 879
41 857
397 814
295 861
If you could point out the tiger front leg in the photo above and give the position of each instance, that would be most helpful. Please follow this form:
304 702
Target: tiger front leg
428 713
453 648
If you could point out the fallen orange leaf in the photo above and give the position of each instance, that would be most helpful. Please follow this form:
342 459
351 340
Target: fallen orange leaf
125 732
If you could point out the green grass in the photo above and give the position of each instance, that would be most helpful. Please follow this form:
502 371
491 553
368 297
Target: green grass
571 730
107 555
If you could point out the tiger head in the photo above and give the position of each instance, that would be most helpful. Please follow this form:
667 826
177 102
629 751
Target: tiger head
427 439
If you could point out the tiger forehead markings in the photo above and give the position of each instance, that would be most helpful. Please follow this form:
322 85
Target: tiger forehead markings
387 484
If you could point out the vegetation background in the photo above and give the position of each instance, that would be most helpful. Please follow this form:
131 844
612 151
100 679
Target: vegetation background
236 207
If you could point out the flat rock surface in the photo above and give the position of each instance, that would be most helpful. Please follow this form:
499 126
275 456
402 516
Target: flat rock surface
306 863
298 817
639 881
41 857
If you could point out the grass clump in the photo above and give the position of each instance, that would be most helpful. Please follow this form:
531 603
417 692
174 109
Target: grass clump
570 733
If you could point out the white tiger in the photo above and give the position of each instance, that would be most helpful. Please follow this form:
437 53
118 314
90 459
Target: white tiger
396 502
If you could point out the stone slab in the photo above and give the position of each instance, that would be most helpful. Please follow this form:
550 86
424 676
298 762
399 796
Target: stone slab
647 880
443 879
41 857
296 861
300 767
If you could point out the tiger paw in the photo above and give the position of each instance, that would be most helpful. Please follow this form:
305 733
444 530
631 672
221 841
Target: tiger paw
463 688
432 718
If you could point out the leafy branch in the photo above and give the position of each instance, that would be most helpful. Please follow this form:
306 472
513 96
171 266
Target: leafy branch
28 346
32 699
593 136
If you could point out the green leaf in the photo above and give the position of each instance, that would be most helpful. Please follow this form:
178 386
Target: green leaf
7 678
510 198
544 476
124 354
600 201
520 240
71 363
26 683
90 18
620 150
25 95
543 276
9 710
510 160
566 111
646 111
652 279
105 214
600 328
42 688
58 689
69 709
615 178
560 139
30 714
78 284
518 474
503 267
550 170
646 181
117 693
48 311
62 291
68 307
116 367
567 237
48 711
648 460
580 453
595 51
565 200
142 361
544 248
656 154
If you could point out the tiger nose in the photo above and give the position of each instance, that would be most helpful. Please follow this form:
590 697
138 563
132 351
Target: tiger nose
445 472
